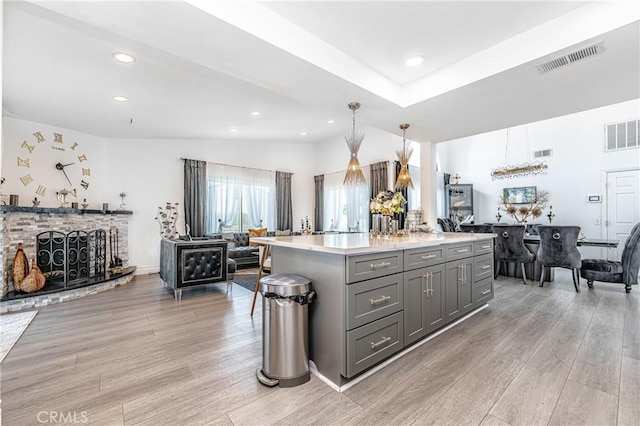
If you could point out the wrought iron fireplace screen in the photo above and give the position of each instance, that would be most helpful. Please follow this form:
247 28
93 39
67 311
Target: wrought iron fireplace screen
71 257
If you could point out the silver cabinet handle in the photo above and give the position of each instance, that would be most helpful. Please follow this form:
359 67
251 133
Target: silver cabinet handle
381 342
375 266
430 284
431 256
461 273
462 250
380 300
486 267
487 246
428 276
486 292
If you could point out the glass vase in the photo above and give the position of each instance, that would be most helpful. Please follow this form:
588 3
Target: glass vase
385 226
376 221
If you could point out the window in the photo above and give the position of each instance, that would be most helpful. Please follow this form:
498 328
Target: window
239 198
346 208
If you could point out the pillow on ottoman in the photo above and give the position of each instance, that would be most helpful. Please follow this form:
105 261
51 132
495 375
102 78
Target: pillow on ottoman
262 232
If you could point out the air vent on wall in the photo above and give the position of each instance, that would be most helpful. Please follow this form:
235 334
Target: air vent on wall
543 153
571 57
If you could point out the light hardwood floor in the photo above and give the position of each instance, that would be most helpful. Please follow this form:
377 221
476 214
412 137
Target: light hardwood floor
133 355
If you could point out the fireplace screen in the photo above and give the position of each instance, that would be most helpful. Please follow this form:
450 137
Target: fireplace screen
71 257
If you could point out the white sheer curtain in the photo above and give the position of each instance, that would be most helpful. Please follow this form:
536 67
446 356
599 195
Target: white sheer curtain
414 194
224 192
260 196
346 208
334 201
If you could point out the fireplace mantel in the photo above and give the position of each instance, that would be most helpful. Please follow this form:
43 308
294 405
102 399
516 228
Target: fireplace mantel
59 210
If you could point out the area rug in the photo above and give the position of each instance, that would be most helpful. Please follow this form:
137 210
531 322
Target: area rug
247 278
11 328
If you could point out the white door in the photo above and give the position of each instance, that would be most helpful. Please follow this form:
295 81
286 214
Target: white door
623 206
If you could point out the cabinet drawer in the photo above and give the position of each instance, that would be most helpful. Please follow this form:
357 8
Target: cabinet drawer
482 291
483 247
373 299
483 267
459 251
421 257
367 266
374 342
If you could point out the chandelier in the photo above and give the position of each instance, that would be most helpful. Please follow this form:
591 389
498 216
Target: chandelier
404 154
354 175
528 168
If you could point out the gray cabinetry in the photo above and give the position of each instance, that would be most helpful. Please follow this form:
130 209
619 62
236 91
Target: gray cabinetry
367 266
423 302
373 299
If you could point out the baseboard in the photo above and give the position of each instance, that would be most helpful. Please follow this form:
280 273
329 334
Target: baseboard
143 270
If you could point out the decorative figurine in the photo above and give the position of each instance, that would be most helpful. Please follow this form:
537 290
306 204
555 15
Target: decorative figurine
550 215
305 226
35 202
498 216
84 204
62 197
456 178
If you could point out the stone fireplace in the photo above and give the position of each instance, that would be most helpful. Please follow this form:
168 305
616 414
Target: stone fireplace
69 246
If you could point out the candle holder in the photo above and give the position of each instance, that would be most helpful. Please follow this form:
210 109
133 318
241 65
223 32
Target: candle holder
498 216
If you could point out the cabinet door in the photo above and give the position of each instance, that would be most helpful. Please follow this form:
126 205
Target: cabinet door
435 311
415 317
424 303
452 299
466 285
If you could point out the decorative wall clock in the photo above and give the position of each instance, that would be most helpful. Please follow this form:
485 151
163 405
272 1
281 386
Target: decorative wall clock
60 165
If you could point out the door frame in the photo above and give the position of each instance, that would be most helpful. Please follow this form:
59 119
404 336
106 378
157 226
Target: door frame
604 232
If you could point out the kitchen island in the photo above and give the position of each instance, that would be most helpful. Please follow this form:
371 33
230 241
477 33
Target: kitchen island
378 296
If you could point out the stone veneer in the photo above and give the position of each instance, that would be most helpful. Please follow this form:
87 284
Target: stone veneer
62 296
22 224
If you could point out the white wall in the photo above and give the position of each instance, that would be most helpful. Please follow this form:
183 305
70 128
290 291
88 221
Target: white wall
42 164
150 172
576 169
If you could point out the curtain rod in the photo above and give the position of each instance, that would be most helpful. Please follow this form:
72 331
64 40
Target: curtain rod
241 167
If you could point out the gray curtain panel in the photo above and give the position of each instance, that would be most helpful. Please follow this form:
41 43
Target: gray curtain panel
195 184
379 177
284 209
379 181
318 218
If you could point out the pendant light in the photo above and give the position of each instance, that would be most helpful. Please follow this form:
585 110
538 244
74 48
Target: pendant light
354 175
404 178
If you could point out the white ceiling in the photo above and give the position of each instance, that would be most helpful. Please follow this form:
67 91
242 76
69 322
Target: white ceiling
203 66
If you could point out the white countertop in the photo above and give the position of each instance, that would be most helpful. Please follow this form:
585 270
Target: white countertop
361 243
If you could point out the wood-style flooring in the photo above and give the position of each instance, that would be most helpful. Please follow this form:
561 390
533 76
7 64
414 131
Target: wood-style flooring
133 355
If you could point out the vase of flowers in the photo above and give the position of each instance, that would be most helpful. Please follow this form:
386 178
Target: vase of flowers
383 206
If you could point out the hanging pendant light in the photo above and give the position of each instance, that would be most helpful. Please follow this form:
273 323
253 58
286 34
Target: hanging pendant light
354 175
404 178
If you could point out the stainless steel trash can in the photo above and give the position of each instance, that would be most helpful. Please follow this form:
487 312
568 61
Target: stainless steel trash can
285 330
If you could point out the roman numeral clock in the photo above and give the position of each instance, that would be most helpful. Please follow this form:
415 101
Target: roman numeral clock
49 164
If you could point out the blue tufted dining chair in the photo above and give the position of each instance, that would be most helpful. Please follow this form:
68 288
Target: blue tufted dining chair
559 249
624 272
510 247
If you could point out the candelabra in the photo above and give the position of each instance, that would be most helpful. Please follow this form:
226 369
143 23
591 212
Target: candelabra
123 203
305 226
498 216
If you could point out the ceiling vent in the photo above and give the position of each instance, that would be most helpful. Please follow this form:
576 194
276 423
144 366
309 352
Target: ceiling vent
543 153
571 57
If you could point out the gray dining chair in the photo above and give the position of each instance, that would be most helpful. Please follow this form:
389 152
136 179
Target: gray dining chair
625 271
559 249
509 247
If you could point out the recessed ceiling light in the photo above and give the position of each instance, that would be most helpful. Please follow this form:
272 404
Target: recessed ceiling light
303 133
233 129
119 98
255 113
414 61
125 58
331 121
